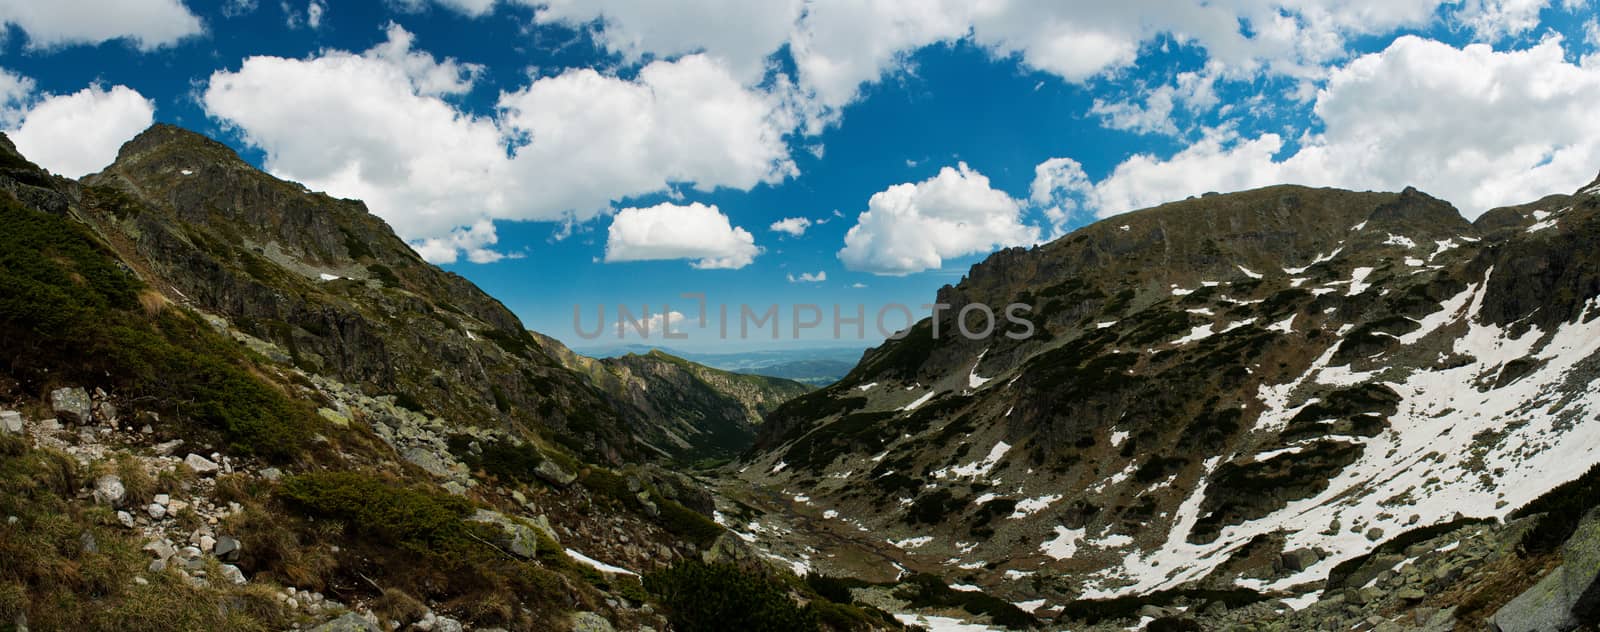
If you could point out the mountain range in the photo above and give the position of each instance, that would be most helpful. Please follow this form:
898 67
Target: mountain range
1285 408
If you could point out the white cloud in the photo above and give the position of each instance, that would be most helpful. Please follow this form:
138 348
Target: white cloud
1192 91
841 45
912 227
794 226
375 126
807 277
654 326
15 91
671 231
1492 20
1059 187
236 8
148 24
596 139
858 285
314 12
1474 126
740 32
72 134
475 240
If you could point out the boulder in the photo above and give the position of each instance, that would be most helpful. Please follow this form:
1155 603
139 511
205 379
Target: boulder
227 548
516 537
349 622
10 422
1544 608
201 465
590 622
428 460
232 574
1569 593
1581 558
549 472
108 490
1300 559
71 405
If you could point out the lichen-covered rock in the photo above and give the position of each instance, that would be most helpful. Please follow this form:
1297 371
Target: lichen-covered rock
1547 607
516 537
71 405
108 490
349 622
10 422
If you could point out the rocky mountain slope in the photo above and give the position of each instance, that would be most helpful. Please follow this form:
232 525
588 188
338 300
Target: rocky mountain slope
227 402
1234 395
704 413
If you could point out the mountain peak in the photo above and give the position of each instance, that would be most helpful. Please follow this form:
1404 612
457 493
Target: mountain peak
164 140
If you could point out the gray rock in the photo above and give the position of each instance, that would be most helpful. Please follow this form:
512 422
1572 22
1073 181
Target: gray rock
125 519
1581 558
167 448
232 574
549 472
227 548
106 413
108 490
350 622
71 405
1300 559
1154 612
428 460
590 622
201 465
157 511
10 422
271 473
161 549
1547 607
516 537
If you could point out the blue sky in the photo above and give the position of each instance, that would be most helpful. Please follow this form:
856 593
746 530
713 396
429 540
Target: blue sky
624 151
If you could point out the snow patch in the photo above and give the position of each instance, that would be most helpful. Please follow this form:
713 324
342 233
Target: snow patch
598 565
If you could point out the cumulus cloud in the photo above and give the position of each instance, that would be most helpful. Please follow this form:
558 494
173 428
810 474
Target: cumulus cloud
1478 127
648 326
671 231
71 134
808 277
794 226
742 33
912 227
1492 20
15 91
147 24
1059 188
377 126
1191 91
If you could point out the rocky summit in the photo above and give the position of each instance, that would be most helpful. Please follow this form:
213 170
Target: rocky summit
230 402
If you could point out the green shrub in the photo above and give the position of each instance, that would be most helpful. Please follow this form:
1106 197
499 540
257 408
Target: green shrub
687 523
418 520
710 598
69 311
500 459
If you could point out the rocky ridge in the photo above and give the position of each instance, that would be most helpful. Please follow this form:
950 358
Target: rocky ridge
1215 386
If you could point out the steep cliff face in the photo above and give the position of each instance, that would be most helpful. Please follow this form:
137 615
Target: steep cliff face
1212 384
333 286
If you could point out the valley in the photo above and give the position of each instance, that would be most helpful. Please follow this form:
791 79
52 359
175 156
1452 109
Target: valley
1286 408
